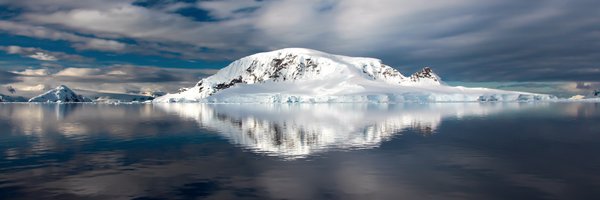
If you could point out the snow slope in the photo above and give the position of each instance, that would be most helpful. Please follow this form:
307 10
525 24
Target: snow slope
304 75
60 94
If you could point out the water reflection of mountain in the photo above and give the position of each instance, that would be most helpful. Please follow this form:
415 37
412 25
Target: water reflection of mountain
285 130
298 130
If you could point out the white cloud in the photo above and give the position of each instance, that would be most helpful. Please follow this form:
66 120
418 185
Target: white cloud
101 45
41 54
35 88
33 72
79 72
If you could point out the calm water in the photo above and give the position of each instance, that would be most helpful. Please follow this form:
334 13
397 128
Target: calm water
342 151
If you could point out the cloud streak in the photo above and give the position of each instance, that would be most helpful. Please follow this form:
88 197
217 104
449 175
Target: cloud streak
77 41
41 54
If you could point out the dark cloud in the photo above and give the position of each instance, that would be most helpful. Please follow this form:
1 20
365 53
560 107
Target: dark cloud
465 40
7 77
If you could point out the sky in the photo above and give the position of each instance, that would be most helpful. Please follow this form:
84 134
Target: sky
133 46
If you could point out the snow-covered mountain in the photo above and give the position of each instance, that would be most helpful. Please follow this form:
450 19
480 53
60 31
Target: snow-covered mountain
61 94
305 75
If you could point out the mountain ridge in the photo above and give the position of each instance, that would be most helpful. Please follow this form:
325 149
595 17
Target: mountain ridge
298 75
299 64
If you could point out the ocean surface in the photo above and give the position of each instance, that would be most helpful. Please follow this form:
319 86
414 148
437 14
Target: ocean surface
300 151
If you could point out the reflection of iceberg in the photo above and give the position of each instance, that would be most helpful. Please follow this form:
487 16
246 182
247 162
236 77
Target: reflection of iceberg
298 130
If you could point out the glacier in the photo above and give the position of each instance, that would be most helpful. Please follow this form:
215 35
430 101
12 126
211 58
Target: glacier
297 75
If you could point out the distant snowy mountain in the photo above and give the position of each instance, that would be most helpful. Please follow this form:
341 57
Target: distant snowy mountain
304 75
6 98
61 94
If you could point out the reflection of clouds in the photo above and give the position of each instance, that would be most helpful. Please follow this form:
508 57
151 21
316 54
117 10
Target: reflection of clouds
11 154
69 119
34 119
73 129
581 110
503 169
299 130
46 124
108 177
289 131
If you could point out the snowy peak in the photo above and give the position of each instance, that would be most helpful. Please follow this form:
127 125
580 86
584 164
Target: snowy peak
61 94
301 64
